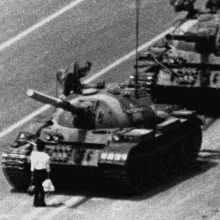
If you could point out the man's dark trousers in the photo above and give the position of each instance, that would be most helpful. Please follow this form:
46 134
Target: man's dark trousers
39 176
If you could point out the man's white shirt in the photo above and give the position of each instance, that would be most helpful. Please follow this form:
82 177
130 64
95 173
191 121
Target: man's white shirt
40 160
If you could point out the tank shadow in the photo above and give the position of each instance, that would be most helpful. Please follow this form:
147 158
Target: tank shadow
18 191
201 166
76 205
95 189
111 191
55 205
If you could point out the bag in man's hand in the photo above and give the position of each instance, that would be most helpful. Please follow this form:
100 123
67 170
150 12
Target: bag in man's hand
31 190
48 186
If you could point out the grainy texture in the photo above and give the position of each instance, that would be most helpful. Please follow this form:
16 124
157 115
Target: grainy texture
100 31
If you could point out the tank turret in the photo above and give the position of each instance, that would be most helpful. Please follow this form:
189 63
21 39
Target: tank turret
102 110
211 7
58 102
189 67
182 5
195 42
109 136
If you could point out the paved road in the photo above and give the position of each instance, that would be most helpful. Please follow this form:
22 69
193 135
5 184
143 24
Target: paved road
100 31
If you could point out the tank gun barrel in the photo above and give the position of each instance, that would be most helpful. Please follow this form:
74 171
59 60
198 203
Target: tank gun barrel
192 38
56 102
213 67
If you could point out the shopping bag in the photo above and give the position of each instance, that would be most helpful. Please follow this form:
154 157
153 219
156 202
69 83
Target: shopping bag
31 190
48 186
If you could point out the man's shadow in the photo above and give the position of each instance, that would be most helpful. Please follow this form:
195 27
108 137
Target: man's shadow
55 205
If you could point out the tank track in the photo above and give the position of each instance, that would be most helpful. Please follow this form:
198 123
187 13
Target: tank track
143 168
17 172
147 163
80 176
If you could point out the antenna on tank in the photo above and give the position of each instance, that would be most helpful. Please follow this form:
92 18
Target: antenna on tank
137 46
56 85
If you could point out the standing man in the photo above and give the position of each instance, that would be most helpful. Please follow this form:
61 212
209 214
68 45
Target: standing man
40 168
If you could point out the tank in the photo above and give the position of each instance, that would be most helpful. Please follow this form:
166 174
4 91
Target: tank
114 134
211 6
180 64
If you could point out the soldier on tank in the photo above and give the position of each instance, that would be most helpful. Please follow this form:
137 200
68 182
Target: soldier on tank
71 81
40 169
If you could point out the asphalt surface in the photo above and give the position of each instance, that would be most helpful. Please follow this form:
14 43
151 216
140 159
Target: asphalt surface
99 32
102 32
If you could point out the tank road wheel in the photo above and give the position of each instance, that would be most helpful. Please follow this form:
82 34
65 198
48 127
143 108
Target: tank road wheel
184 158
144 170
164 161
135 175
19 178
151 169
194 144
139 171
173 161
190 147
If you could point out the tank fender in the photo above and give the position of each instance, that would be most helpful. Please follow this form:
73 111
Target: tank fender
188 114
34 128
118 149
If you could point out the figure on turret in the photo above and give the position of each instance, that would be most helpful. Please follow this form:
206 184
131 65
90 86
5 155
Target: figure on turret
70 78
185 5
211 6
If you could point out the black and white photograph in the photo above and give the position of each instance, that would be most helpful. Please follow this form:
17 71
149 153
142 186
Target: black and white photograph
110 109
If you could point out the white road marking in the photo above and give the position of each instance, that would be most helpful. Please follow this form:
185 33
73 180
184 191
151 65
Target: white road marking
29 117
4 217
97 199
39 24
69 203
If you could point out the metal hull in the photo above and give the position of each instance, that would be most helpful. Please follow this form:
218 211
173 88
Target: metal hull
147 162
196 98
